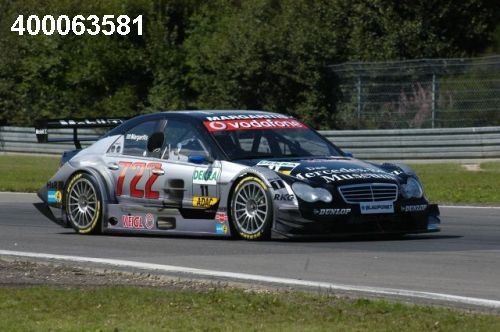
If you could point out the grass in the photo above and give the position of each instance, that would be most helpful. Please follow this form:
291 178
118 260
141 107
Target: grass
456 184
123 308
444 183
26 173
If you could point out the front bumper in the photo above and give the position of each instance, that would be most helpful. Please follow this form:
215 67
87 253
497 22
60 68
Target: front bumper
291 223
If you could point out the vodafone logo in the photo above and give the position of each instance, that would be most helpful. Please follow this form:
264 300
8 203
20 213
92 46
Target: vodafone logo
216 125
248 124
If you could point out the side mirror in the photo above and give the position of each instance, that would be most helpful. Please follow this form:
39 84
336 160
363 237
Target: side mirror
348 154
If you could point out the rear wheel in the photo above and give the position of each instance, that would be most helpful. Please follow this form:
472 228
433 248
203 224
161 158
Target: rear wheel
252 209
84 204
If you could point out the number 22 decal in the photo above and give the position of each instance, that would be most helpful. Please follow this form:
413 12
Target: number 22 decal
139 168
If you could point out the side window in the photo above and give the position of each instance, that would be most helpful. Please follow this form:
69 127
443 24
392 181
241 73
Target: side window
182 140
136 139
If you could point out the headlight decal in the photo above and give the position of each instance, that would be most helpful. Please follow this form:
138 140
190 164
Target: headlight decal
412 188
311 194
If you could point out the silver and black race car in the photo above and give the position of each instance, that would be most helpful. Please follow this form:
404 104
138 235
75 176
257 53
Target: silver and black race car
252 174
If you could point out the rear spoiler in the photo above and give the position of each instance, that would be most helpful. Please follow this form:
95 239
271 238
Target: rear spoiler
42 127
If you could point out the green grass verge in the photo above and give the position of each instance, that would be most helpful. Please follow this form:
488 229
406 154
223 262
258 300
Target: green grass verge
444 183
26 173
456 184
146 309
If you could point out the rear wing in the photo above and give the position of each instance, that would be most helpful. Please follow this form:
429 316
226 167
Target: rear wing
42 127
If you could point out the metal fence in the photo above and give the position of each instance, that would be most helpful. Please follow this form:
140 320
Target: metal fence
392 144
426 93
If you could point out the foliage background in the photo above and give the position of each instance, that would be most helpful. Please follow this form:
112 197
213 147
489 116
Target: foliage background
249 54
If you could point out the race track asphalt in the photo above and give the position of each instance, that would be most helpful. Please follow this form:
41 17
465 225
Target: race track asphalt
462 260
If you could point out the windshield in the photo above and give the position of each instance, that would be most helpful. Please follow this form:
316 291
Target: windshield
277 143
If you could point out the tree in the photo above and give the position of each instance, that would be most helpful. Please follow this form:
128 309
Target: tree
193 54
397 30
266 55
60 76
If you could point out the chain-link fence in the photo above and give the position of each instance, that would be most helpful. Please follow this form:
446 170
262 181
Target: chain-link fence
426 93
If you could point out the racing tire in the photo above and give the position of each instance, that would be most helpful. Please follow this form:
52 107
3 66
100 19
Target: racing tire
252 209
83 204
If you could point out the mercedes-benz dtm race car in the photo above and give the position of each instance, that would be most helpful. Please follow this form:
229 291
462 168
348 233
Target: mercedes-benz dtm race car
252 174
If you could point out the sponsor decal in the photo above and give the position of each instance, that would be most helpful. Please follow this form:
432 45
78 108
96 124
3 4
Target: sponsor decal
204 201
54 196
315 168
342 174
221 229
75 122
284 197
252 124
206 176
246 117
134 222
414 208
55 185
221 217
149 221
279 166
137 138
41 131
332 212
376 207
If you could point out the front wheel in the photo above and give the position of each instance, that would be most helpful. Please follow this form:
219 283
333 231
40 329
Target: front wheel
252 209
84 204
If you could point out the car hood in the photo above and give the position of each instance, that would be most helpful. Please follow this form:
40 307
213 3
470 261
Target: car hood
330 170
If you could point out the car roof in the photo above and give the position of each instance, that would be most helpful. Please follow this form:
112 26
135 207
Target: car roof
203 114
195 115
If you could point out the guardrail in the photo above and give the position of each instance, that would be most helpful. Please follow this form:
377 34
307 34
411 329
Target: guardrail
399 144
448 143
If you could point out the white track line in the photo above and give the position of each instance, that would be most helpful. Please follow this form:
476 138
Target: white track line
265 279
469 207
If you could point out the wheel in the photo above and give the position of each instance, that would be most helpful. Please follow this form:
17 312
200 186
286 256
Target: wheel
252 209
84 204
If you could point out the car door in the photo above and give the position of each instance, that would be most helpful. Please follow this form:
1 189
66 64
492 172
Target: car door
191 177
133 167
